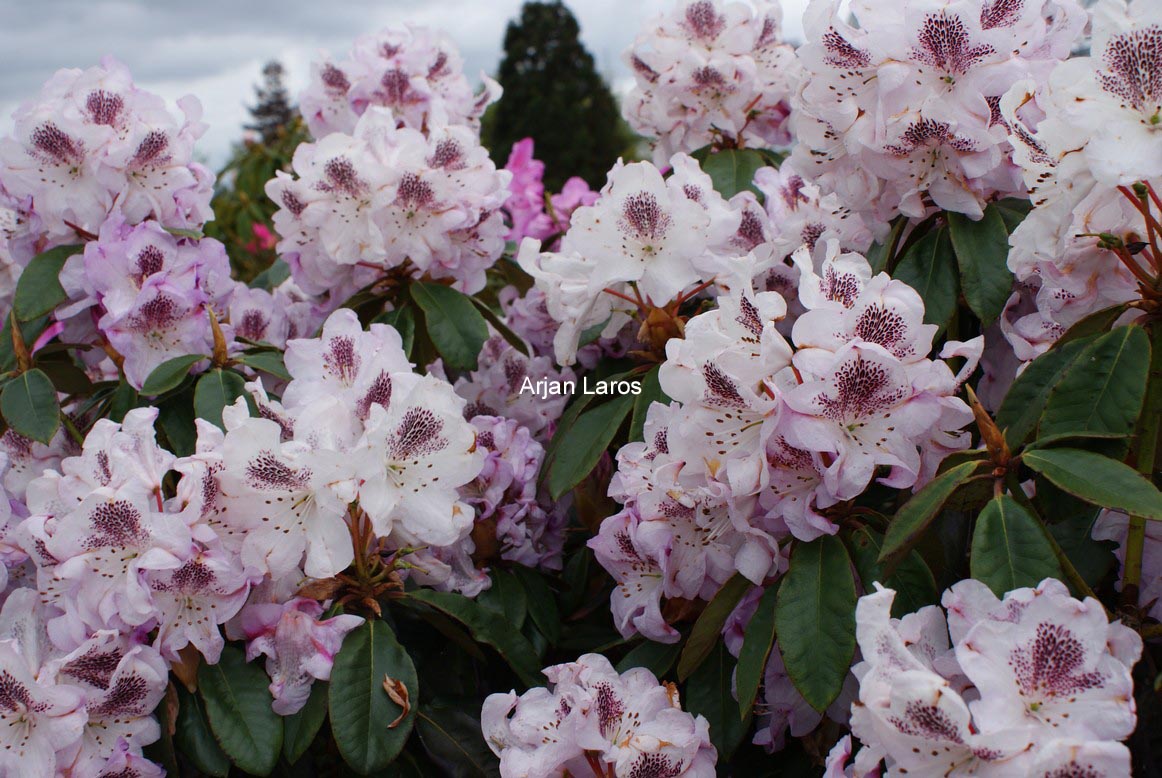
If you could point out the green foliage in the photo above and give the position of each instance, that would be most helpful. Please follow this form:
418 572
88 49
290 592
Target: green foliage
238 709
1009 548
815 619
39 291
365 721
29 406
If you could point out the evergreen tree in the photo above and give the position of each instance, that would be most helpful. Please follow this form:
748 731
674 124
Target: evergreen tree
273 110
554 94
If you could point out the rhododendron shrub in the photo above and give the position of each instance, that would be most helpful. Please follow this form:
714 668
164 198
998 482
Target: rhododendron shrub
824 442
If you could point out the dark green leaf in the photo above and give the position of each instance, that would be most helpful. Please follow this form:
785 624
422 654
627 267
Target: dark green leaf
584 443
30 330
299 729
541 602
29 405
591 334
982 253
1096 323
271 277
66 377
1074 533
359 706
214 391
1022 407
1103 390
514 340
651 393
1009 548
756 647
929 267
122 401
403 319
708 629
452 738
455 326
194 738
486 627
506 597
815 619
921 510
708 693
732 170
175 419
1013 210
1097 479
238 709
658 658
266 361
169 374
39 289
912 579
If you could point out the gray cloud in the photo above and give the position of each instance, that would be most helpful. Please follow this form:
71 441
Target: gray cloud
215 49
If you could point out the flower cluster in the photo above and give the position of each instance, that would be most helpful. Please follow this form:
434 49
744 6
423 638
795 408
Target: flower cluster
762 438
646 240
384 200
149 293
1071 133
84 711
594 718
1035 684
92 141
415 72
712 73
527 202
902 111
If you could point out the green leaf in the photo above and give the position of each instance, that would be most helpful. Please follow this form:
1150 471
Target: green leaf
299 729
708 693
912 579
455 326
359 706
30 330
982 253
815 619
39 289
929 267
921 510
506 597
176 420
274 275
497 323
708 628
1022 407
758 638
1103 390
29 405
452 738
591 334
194 738
169 374
238 709
658 658
651 393
732 170
214 391
403 319
1097 479
266 361
1013 210
486 627
1095 323
1009 548
541 602
122 401
584 443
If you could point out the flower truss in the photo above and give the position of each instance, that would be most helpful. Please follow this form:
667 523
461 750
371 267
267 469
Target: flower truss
712 73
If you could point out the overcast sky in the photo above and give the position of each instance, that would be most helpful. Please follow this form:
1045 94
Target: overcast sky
215 49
